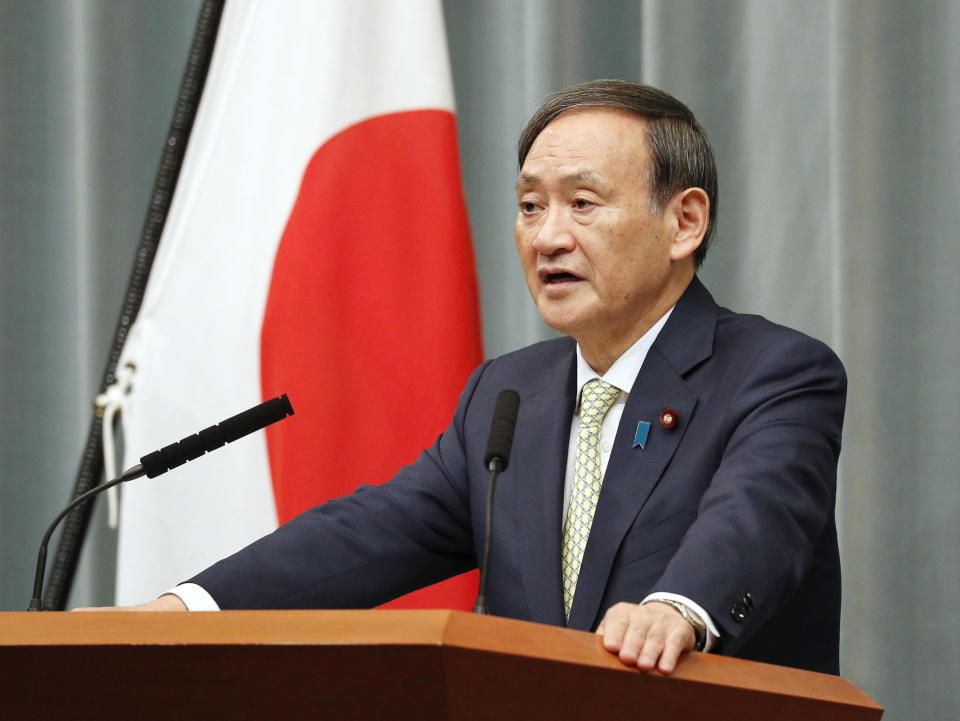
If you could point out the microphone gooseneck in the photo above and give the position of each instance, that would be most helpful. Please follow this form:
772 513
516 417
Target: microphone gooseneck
168 457
128 475
496 459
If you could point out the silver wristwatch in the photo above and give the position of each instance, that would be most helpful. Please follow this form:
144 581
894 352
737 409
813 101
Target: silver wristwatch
699 627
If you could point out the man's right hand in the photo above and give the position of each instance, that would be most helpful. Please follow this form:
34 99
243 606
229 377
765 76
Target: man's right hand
166 602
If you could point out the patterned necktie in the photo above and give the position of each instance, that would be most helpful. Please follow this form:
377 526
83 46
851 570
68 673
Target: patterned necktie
596 399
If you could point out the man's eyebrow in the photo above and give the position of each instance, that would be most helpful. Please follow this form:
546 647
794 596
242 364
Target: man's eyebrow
579 176
527 179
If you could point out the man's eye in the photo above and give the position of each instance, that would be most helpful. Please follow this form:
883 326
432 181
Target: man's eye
528 207
582 204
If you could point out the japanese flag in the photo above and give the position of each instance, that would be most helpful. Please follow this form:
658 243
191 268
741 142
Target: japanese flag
317 245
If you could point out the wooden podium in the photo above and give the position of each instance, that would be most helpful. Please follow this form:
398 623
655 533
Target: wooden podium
375 665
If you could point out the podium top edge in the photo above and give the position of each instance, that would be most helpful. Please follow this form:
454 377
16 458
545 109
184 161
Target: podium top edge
441 628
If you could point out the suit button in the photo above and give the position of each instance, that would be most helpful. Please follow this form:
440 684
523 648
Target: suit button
748 601
738 613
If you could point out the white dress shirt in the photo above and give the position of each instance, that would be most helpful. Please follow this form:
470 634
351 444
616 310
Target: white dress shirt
621 374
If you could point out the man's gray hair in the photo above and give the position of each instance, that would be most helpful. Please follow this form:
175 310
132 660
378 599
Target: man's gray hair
679 148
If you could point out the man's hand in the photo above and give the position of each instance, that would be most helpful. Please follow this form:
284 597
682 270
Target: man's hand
646 636
166 602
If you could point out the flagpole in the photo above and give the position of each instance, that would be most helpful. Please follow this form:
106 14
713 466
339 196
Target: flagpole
90 471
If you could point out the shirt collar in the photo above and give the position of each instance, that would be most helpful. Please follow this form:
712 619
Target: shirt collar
625 369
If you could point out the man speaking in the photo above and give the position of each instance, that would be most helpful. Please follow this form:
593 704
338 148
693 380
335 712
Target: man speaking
673 476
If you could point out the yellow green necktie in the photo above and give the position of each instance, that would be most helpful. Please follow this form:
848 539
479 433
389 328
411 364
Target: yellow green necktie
596 399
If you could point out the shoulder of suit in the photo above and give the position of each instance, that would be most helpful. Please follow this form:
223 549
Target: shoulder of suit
732 328
544 350
737 332
533 365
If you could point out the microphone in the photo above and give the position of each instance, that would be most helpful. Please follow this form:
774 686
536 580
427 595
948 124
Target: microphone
161 461
496 459
500 440
209 439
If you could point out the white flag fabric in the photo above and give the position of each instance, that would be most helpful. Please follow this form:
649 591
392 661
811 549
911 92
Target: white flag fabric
317 245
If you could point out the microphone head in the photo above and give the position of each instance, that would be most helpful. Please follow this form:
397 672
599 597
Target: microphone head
234 428
261 416
501 428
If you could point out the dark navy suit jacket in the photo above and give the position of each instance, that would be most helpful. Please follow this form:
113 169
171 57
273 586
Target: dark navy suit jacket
733 507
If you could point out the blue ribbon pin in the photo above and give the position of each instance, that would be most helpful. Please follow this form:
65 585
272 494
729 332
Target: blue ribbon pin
643 430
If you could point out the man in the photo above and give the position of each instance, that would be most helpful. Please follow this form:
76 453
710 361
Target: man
672 481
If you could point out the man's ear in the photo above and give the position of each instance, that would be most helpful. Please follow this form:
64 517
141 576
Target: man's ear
690 209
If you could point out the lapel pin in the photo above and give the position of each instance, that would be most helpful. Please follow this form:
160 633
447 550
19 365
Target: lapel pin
640 439
669 418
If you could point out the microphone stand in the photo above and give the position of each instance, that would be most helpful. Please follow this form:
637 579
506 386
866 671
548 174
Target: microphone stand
36 604
497 457
168 457
495 466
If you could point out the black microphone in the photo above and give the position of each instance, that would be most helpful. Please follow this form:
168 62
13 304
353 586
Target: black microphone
496 459
209 439
161 461
500 440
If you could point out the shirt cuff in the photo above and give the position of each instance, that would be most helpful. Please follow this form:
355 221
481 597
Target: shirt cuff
712 633
194 597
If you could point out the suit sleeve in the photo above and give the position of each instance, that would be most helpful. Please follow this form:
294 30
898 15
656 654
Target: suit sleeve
366 548
760 521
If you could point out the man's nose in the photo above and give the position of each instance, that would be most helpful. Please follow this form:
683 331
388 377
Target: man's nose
555 234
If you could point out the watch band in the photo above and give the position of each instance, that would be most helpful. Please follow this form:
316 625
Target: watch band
699 627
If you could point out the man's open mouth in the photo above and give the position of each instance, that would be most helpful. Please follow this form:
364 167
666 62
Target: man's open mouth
564 277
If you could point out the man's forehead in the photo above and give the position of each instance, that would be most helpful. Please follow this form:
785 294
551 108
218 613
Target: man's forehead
581 133
592 146
594 117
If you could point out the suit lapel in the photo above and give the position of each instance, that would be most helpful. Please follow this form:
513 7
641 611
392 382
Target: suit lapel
543 427
632 472
631 476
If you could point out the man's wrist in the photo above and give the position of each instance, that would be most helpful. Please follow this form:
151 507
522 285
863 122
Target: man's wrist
713 634
168 602
697 623
194 597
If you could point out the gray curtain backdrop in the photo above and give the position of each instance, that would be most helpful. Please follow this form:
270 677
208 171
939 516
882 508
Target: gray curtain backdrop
836 133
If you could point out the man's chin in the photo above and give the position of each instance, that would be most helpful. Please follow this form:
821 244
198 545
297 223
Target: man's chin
567 313
563 322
